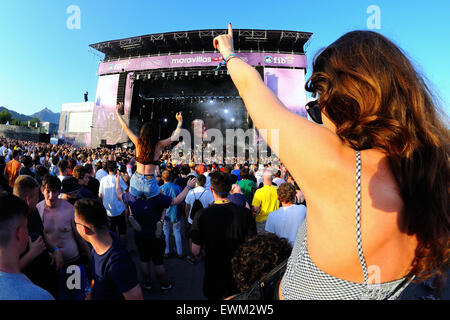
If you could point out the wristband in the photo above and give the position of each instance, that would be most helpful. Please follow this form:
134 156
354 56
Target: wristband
229 57
189 188
56 249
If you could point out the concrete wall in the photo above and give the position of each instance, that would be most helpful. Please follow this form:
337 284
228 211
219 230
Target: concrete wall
19 133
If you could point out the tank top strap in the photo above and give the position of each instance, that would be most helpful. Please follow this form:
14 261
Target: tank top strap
358 217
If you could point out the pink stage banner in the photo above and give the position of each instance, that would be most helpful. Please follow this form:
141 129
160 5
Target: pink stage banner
200 60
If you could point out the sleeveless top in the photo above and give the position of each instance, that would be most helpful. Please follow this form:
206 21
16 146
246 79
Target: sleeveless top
303 280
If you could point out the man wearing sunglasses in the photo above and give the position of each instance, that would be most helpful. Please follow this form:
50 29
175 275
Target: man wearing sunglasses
114 273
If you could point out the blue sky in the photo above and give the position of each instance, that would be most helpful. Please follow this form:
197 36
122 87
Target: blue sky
45 64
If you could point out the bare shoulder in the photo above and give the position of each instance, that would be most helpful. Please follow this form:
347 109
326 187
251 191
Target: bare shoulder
378 184
40 207
331 219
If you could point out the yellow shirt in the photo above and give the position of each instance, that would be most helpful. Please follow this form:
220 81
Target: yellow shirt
266 199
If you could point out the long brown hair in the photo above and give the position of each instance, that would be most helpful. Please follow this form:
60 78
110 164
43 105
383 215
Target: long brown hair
148 137
370 90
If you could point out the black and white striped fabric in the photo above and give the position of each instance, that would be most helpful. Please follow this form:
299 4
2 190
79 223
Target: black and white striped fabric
303 280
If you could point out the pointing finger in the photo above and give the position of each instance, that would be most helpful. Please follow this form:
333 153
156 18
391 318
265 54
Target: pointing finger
230 30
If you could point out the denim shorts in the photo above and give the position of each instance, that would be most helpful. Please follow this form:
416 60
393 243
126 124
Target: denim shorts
142 185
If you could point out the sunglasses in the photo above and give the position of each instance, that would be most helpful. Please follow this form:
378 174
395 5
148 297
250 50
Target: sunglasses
313 110
80 224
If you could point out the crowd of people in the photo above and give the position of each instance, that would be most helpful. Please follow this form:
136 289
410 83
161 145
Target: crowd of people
80 208
373 170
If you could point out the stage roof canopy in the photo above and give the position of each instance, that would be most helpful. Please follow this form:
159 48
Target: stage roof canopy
202 41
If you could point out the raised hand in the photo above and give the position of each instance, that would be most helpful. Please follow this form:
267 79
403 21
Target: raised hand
191 182
179 117
37 247
224 43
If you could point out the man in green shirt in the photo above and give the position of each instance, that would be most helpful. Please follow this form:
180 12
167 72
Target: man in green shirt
247 186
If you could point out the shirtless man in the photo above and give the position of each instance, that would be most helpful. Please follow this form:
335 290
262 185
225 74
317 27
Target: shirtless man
57 216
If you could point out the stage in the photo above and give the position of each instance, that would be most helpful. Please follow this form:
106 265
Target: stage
155 83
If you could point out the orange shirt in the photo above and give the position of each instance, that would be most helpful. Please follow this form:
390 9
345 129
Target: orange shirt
12 169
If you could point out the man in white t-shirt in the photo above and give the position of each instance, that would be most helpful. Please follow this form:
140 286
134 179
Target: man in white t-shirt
206 198
114 207
2 149
101 173
286 221
63 167
206 174
7 155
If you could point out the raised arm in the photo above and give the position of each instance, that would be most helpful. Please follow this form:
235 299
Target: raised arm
304 147
179 199
175 135
127 130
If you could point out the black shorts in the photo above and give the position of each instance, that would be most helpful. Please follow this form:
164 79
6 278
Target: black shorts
151 248
118 222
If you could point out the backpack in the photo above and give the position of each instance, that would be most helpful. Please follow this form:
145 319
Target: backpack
196 206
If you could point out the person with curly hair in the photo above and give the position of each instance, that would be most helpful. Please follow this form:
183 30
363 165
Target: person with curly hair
256 257
375 175
286 221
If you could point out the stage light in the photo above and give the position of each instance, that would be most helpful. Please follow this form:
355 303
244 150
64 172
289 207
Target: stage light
232 119
148 76
163 75
165 119
226 111
211 101
199 73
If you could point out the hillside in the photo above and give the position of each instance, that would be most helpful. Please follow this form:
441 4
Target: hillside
45 115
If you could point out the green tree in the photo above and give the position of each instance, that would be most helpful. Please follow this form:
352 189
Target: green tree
5 116
34 121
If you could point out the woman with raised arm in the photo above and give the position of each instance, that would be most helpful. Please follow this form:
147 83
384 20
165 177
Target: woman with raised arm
367 234
148 151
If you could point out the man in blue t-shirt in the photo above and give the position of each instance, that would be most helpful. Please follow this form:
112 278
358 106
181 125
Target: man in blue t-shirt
237 171
173 214
113 271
